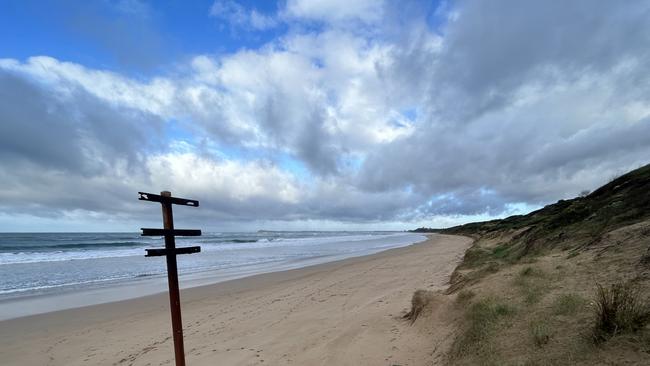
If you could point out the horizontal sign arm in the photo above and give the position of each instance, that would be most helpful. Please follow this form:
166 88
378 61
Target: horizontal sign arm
162 199
174 232
164 251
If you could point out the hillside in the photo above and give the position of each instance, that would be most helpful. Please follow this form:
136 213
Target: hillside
576 222
534 289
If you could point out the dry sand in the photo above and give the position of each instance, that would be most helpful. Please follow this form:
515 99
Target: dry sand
340 313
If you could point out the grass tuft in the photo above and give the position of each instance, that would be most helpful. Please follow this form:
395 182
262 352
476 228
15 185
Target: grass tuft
482 318
541 333
572 254
531 272
501 251
420 300
464 297
475 256
567 304
619 309
531 284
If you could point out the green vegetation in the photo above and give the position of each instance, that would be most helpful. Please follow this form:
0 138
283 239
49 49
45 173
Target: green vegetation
619 309
583 220
482 319
501 251
532 284
567 304
543 262
540 332
464 297
531 272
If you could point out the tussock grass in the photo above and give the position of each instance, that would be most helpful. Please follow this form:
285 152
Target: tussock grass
482 319
501 251
567 304
619 309
529 271
645 258
478 256
420 300
464 297
475 256
540 332
572 254
531 283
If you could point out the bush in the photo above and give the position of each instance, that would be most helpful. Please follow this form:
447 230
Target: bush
619 309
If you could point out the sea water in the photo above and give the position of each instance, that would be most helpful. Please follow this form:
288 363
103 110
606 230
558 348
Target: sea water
91 268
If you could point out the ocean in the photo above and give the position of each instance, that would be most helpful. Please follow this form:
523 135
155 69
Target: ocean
98 266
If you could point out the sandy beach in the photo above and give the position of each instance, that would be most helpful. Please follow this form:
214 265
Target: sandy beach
340 313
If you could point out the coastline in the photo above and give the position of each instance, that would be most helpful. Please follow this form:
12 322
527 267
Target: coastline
341 312
70 297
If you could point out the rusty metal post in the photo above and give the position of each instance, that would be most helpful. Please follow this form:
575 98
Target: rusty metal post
172 279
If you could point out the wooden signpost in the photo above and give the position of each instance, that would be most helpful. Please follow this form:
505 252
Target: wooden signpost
170 251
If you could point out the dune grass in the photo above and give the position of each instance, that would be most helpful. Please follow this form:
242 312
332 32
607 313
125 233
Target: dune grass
540 332
567 304
619 309
482 318
464 297
532 284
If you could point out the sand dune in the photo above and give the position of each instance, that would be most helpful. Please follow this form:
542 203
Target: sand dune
341 313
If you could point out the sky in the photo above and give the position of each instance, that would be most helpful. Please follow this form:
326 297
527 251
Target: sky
314 115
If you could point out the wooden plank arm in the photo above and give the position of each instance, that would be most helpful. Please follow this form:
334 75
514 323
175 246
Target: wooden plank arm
166 232
144 196
163 251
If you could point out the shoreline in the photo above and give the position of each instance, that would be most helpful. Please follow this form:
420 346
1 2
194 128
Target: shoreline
248 307
69 297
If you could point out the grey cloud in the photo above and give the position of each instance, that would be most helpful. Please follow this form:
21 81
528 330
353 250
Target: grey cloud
69 130
496 46
61 149
32 129
470 141
521 102
307 137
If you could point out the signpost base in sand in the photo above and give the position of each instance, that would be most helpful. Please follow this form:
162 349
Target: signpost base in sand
170 251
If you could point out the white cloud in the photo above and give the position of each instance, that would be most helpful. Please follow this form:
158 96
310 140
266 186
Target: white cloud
226 180
154 97
368 11
495 109
237 15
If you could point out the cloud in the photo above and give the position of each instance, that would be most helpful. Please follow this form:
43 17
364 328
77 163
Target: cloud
528 101
493 108
238 16
335 11
104 135
73 132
